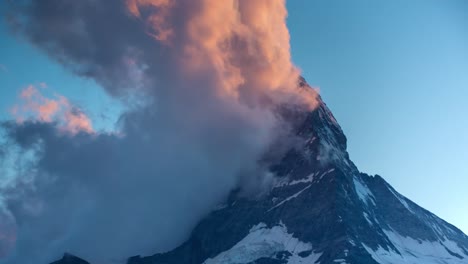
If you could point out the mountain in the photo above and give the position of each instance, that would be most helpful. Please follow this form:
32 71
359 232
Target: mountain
70 259
320 209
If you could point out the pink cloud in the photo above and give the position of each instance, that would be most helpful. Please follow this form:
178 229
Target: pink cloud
35 106
77 122
47 110
28 92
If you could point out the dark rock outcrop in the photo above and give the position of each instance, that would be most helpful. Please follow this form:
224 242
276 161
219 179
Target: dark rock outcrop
70 259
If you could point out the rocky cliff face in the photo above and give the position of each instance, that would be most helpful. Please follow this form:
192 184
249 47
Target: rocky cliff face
321 209
70 259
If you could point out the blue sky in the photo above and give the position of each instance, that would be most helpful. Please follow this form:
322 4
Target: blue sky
393 72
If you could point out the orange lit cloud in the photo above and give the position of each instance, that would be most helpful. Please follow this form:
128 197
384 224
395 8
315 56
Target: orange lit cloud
35 106
75 120
160 29
247 50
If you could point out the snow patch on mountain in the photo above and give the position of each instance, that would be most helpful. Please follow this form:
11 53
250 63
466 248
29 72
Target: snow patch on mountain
290 197
416 251
363 192
367 218
309 178
340 261
264 242
326 173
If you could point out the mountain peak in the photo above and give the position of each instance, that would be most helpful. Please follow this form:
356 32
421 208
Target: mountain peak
70 259
321 210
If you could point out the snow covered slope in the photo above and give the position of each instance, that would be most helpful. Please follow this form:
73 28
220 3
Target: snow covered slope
264 242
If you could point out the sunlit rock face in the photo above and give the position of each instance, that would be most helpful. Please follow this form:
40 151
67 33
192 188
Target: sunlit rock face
319 209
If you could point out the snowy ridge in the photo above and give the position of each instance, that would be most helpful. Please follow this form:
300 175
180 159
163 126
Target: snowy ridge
363 192
263 242
401 199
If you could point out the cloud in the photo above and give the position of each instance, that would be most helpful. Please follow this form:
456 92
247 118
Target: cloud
204 83
7 234
36 107
247 51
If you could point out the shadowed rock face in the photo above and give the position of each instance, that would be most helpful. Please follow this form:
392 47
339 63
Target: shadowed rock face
321 209
70 259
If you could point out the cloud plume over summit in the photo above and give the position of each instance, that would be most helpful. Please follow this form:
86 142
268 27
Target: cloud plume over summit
208 76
